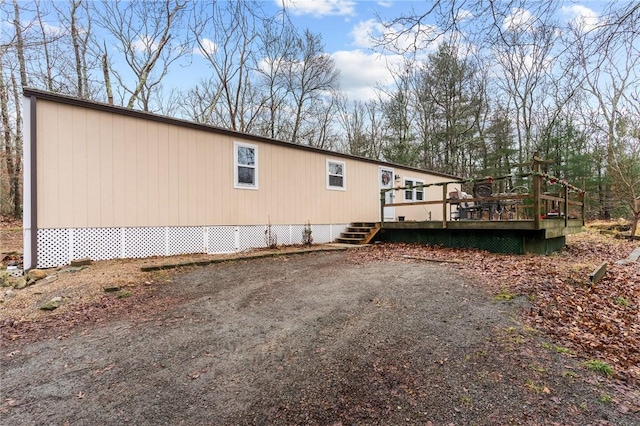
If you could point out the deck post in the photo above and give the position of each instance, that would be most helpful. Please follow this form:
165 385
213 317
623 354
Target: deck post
537 187
383 195
444 205
581 198
583 207
566 205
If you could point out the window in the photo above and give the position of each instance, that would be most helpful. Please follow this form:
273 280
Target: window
408 193
336 178
419 191
415 190
245 157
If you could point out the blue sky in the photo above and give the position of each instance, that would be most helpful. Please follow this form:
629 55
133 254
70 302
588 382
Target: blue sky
345 26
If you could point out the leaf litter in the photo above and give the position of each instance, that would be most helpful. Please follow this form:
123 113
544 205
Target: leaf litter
599 322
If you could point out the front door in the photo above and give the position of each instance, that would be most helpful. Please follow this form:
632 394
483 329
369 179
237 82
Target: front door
385 179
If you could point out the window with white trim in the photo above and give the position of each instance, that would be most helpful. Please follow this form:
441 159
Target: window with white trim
336 176
414 190
245 167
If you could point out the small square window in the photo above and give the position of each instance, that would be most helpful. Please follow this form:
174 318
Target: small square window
245 172
336 177
414 190
408 192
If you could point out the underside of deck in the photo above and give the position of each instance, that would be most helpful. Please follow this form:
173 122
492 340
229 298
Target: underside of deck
518 236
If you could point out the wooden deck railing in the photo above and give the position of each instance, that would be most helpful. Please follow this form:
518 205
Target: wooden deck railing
548 198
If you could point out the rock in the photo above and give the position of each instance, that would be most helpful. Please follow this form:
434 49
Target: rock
52 304
72 269
36 274
111 289
20 283
81 262
49 279
9 293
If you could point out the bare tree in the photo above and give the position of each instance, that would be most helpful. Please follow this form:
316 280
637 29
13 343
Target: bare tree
11 147
624 170
46 42
277 50
473 20
11 122
363 132
53 37
225 33
148 35
524 51
6 168
609 75
312 78
352 119
20 44
77 22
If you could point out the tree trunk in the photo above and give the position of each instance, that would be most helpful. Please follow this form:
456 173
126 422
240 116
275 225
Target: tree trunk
9 152
19 44
17 149
75 38
107 79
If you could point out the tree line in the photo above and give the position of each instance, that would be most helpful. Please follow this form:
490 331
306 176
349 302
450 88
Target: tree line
478 90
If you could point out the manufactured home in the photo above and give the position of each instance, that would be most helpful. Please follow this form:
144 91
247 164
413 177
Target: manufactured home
106 182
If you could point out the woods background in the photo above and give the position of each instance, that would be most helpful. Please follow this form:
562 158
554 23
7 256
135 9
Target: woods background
498 82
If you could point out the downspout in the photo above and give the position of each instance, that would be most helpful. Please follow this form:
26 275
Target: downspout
29 192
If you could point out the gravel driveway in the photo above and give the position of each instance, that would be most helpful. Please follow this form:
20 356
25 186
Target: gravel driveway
306 339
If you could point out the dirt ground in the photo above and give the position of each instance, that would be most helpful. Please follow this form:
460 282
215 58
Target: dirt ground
327 338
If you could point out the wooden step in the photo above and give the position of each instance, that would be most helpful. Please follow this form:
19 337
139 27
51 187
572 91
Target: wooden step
364 224
345 240
359 229
359 233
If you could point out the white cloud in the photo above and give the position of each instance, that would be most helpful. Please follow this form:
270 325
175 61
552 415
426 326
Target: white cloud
386 4
319 8
423 38
206 48
53 30
581 16
462 14
143 44
364 32
519 19
361 72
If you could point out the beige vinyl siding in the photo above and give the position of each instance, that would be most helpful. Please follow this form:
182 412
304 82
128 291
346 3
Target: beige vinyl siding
431 193
105 166
114 136
104 169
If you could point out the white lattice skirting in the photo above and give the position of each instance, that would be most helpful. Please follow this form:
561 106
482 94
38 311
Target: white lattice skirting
57 247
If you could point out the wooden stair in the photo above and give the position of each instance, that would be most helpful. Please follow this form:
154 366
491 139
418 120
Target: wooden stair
359 233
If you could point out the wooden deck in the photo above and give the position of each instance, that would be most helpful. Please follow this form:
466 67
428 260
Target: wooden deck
529 221
552 228
519 237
